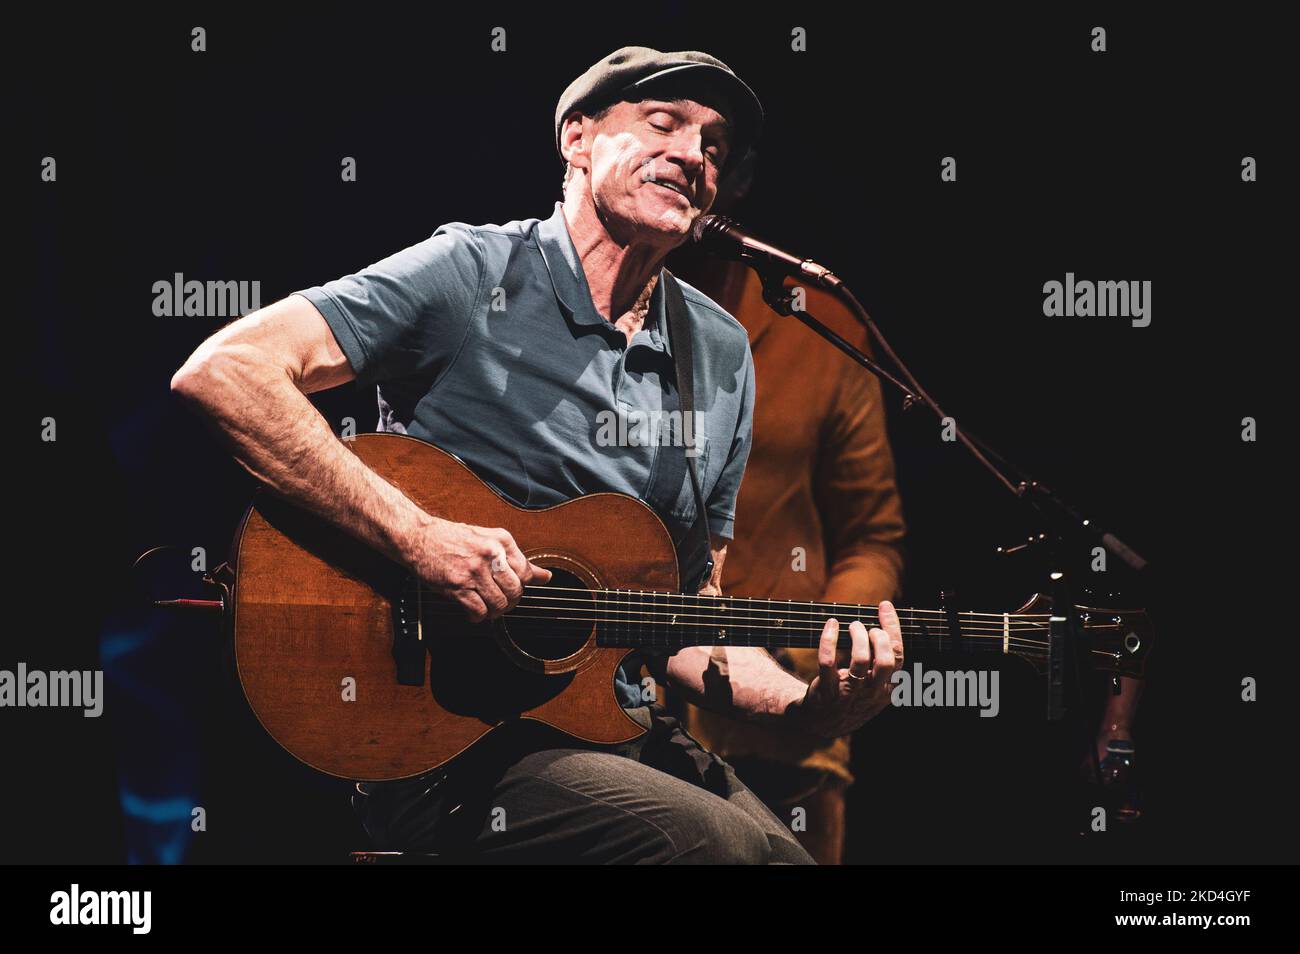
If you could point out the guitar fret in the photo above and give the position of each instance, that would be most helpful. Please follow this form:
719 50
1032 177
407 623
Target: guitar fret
667 607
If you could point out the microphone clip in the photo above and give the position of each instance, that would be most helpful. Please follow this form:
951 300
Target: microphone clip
779 298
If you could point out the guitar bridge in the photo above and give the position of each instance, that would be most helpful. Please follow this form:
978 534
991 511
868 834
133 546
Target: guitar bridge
408 637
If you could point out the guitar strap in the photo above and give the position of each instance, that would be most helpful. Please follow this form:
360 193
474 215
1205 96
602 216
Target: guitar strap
696 552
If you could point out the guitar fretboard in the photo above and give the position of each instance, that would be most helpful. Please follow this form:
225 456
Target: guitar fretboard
669 621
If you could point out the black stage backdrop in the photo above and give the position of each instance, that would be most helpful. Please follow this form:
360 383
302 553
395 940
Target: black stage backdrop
1122 165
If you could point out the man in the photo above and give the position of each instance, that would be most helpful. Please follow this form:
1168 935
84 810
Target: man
504 345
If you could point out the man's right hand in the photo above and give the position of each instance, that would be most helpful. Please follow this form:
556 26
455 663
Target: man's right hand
480 568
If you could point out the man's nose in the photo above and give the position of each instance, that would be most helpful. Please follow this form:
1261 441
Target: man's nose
687 150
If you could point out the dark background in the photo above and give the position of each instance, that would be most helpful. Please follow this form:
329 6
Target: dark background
1124 166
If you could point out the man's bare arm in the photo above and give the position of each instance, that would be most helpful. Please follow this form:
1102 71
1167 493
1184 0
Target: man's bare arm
743 681
250 381
737 680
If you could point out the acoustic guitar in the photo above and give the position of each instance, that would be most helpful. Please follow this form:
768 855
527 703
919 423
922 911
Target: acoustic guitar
362 672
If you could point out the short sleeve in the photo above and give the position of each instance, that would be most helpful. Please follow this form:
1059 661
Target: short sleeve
408 313
722 500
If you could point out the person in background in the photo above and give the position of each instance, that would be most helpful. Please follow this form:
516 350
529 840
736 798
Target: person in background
818 518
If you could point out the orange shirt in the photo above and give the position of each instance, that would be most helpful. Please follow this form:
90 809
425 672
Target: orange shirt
819 516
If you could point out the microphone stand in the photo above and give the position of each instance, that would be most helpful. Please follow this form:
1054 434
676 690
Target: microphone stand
1066 530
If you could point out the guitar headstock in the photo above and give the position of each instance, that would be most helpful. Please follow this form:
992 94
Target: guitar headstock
1119 640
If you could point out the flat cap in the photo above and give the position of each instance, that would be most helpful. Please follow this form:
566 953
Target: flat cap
635 71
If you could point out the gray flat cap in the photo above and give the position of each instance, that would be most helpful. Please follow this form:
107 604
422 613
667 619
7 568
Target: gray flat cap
634 71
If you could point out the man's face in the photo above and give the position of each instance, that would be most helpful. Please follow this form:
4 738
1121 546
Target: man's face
655 165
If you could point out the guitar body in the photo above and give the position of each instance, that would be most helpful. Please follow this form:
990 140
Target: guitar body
316 616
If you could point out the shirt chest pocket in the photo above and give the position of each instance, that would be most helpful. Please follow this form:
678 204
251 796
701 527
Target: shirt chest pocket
670 490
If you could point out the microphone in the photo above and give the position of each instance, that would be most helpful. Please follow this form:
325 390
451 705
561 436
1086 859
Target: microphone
726 239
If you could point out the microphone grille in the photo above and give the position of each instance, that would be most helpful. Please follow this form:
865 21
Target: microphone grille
707 225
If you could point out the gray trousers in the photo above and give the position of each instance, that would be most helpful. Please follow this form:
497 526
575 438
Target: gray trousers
527 794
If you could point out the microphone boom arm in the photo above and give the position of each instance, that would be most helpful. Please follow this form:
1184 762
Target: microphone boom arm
1059 515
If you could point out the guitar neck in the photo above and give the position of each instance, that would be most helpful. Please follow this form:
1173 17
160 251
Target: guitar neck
671 621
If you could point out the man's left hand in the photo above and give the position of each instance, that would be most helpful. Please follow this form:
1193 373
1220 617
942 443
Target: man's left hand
840 700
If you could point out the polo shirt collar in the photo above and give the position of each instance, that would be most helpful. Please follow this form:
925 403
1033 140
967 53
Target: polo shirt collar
657 317
570 282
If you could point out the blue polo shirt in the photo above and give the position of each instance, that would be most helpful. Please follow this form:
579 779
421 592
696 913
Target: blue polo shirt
484 340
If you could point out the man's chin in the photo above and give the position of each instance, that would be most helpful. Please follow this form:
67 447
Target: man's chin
660 222
671 221
677 223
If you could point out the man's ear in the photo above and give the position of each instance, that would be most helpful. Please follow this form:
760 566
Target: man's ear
573 141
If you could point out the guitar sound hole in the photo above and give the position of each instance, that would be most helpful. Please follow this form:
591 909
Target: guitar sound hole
553 620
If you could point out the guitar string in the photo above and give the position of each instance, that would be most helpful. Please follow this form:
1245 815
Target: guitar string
794 632
541 590
804 608
616 615
653 594
768 625
996 621
724 605
764 623
997 634
914 640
